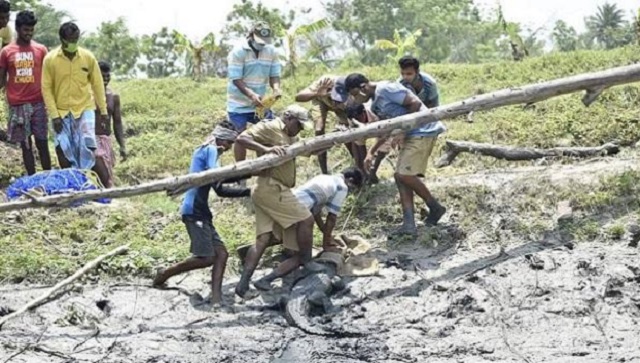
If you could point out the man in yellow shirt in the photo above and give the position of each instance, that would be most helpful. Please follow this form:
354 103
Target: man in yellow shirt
69 75
5 30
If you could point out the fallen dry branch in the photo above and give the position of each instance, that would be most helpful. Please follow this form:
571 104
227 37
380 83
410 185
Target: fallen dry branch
593 83
38 301
454 148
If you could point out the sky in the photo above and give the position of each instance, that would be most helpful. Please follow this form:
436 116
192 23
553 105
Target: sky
148 16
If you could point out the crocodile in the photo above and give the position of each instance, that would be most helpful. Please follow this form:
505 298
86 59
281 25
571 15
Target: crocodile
311 294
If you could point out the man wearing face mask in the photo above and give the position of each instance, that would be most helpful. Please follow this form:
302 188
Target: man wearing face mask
253 65
69 75
420 83
389 100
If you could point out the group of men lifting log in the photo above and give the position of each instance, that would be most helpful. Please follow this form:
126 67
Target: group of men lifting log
286 214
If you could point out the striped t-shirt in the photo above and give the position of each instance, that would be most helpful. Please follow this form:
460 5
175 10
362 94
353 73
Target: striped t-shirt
323 191
254 71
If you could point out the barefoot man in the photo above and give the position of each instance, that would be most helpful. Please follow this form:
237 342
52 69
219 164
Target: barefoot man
105 157
322 192
207 247
278 211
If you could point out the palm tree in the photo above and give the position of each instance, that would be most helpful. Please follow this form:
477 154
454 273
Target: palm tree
402 46
195 52
605 24
292 38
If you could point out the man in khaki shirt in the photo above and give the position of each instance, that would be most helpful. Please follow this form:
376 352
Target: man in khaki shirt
278 211
329 94
71 87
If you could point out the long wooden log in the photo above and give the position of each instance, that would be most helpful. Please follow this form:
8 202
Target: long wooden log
591 82
454 148
42 298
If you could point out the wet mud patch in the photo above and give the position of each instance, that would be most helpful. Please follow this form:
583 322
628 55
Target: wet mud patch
441 303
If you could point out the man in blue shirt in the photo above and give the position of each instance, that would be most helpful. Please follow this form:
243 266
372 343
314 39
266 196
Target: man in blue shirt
390 100
206 246
253 65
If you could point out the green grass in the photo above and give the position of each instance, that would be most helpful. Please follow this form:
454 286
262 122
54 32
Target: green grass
166 118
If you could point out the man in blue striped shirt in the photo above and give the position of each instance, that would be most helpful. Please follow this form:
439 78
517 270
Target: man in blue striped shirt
253 65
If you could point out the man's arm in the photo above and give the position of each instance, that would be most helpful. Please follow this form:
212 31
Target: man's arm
48 89
246 90
274 77
329 225
248 142
413 104
7 36
379 142
275 86
97 85
230 192
333 207
317 89
319 222
118 128
3 77
4 65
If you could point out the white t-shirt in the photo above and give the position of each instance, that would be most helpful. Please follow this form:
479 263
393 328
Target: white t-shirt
323 191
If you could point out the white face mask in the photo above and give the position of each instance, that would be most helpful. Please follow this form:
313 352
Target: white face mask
257 46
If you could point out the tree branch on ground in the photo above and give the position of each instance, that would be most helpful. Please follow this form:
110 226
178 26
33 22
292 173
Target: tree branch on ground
454 148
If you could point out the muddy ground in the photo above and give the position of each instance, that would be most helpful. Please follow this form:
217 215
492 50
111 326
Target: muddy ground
537 302
467 298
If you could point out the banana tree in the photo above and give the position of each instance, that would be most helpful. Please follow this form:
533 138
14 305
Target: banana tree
518 48
401 45
292 38
195 52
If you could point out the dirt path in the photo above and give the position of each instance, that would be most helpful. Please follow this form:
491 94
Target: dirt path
538 301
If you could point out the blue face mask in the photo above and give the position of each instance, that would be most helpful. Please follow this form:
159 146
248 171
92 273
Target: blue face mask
257 46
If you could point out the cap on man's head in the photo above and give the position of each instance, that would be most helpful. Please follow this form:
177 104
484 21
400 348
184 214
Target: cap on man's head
300 113
339 92
262 32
